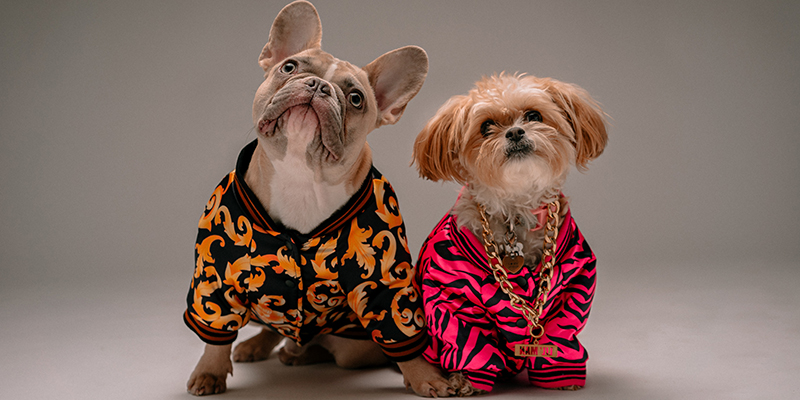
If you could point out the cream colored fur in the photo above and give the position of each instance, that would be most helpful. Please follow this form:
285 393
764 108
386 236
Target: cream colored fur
311 158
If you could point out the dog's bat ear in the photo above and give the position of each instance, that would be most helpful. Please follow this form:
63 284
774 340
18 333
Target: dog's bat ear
396 77
585 117
296 28
438 145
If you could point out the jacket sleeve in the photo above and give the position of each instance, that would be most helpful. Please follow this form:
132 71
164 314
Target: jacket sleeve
566 317
378 277
216 303
463 334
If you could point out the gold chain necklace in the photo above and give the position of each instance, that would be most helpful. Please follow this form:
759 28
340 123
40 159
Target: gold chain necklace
531 313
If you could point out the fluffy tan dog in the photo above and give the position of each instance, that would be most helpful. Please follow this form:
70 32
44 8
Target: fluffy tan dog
506 276
511 142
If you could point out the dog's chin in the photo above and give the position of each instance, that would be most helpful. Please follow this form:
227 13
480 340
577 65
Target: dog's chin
304 124
522 176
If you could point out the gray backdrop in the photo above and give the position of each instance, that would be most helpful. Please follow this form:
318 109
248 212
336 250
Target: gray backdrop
118 118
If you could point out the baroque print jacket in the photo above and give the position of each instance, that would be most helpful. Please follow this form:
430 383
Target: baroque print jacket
351 276
472 325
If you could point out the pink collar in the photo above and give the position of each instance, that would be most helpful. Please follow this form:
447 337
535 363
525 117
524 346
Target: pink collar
541 216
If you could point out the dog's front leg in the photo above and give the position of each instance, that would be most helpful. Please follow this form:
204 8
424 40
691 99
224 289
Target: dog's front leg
424 379
211 371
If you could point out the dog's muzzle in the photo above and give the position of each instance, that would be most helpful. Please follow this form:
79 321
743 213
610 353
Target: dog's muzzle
518 145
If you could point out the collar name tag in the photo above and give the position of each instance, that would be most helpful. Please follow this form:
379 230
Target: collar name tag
536 350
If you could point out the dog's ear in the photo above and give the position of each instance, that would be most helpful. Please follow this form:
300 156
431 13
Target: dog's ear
585 118
296 28
438 145
396 77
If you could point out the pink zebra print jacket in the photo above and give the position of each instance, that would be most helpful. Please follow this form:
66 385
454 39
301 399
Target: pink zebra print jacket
473 327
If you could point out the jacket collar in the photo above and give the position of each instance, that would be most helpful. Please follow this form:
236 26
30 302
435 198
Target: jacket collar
472 247
255 211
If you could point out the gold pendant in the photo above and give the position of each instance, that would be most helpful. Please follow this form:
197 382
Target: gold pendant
536 350
513 263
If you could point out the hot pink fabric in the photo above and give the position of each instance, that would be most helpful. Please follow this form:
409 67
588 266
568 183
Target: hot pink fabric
472 324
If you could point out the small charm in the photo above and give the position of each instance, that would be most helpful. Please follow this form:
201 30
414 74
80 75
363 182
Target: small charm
515 249
536 350
513 260
513 263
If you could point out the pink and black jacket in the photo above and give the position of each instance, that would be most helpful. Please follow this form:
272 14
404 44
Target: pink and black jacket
472 325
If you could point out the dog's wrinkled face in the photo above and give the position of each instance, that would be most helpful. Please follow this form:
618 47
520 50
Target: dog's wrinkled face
514 134
314 106
313 113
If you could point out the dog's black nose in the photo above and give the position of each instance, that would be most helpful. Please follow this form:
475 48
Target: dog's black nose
319 85
515 134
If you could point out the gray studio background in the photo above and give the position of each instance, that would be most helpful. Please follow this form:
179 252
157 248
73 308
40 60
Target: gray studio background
118 118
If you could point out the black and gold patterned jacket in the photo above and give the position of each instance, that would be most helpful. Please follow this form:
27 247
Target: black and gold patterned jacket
351 276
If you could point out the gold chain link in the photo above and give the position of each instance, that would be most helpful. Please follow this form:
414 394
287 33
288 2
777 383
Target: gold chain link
530 313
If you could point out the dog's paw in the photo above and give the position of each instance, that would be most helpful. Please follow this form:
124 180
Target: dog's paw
570 387
462 386
257 348
211 371
425 379
202 384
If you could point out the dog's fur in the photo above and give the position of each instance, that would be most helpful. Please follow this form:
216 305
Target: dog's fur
511 141
511 175
313 113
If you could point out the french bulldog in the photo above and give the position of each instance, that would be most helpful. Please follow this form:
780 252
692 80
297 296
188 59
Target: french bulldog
304 237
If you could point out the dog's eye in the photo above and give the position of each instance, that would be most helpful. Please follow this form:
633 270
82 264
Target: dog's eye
485 126
356 99
533 116
289 67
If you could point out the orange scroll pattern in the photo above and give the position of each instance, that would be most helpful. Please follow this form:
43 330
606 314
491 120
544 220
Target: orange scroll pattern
353 279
